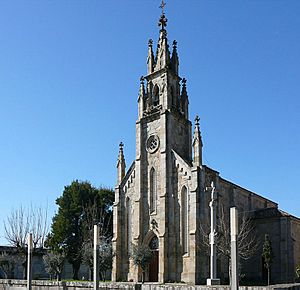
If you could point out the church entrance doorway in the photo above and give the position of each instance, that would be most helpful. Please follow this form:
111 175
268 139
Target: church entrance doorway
154 265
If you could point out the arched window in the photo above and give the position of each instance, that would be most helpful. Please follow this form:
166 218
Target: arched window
154 244
153 192
155 95
184 220
128 222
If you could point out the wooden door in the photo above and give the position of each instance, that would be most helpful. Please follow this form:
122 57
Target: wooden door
153 268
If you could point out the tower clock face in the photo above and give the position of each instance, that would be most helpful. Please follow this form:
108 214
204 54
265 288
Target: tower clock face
152 143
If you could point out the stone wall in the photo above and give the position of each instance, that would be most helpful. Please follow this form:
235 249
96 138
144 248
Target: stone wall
53 285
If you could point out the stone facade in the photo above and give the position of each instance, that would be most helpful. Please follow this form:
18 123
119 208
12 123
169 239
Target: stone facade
163 198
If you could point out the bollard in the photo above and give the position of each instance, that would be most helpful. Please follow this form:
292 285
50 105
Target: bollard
234 249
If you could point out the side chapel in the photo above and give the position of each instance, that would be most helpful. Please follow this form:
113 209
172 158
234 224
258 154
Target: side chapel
161 200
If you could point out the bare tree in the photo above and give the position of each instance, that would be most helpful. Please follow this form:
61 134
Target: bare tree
106 255
39 226
54 264
19 224
16 227
23 221
88 256
247 241
102 217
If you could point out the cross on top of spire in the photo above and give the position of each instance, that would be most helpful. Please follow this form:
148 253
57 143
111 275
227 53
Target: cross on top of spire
162 6
163 20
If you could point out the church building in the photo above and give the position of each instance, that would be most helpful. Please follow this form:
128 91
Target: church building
162 200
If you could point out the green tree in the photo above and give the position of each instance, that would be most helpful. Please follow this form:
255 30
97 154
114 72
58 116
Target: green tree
141 256
79 208
267 255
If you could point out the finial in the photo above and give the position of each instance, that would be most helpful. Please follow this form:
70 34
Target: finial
184 81
162 6
197 119
162 22
121 145
174 44
150 42
142 79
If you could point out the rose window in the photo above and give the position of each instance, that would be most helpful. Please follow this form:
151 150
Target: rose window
152 143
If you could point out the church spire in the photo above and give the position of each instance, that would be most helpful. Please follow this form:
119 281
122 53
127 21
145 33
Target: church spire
184 101
121 166
162 53
150 59
142 98
162 82
174 59
197 144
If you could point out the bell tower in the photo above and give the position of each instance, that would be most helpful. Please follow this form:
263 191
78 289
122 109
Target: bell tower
163 96
152 198
162 130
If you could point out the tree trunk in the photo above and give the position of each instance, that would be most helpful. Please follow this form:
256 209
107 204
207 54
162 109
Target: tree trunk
143 277
268 276
76 268
103 276
229 271
24 265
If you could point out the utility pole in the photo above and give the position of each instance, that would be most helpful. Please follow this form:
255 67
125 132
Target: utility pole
213 280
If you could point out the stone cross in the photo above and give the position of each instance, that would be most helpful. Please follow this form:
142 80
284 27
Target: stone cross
162 6
212 237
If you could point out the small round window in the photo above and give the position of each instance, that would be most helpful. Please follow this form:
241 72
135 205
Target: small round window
152 143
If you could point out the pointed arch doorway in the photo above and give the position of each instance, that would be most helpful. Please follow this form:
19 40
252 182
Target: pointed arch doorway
154 263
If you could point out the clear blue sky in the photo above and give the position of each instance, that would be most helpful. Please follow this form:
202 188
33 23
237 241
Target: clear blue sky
69 79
